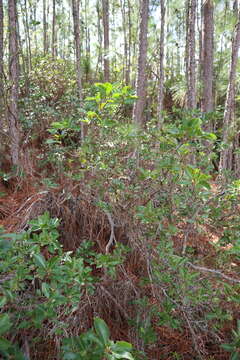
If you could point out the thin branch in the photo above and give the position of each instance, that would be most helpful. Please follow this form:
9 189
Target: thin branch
115 302
213 271
112 235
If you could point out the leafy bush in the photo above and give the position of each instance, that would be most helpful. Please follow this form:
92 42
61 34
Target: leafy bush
38 279
96 345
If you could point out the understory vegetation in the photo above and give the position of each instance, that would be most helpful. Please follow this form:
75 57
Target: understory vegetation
124 245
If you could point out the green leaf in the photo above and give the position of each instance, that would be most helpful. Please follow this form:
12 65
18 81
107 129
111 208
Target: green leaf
210 136
102 330
235 356
5 323
124 355
4 344
70 356
227 347
121 346
3 301
91 337
40 261
45 289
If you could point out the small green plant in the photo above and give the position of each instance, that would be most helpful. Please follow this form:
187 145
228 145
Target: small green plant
7 349
95 344
234 346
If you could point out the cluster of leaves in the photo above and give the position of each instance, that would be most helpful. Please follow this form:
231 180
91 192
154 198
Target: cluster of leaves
96 345
38 279
47 94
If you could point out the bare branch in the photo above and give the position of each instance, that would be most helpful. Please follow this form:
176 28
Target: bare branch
112 236
215 272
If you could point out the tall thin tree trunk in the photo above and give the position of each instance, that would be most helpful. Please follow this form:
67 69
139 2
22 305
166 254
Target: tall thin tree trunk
13 122
44 29
99 32
161 65
125 60
236 164
53 28
105 9
200 44
142 60
87 43
76 26
1 65
24 68
64 37
128 75
28 38
208 29
167 36
190 54
228 120
47 25
70 26
35 21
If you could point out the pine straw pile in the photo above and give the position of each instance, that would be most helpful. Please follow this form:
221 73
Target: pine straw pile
114 300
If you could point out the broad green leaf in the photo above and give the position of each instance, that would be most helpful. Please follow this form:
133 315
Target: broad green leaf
45 289
3 301
227 347
91 337
5 323
70 356
236 356
40 261
11 236
4 344
124 355
102 330
120 346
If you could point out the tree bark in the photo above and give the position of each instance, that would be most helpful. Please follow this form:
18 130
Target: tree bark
190 54
54 29
161 65
1 63
228 120
105 9
87 44
44 29
25 21
76 26
208 29
142 59
200 26
128 75
99 33
125 61
13 121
